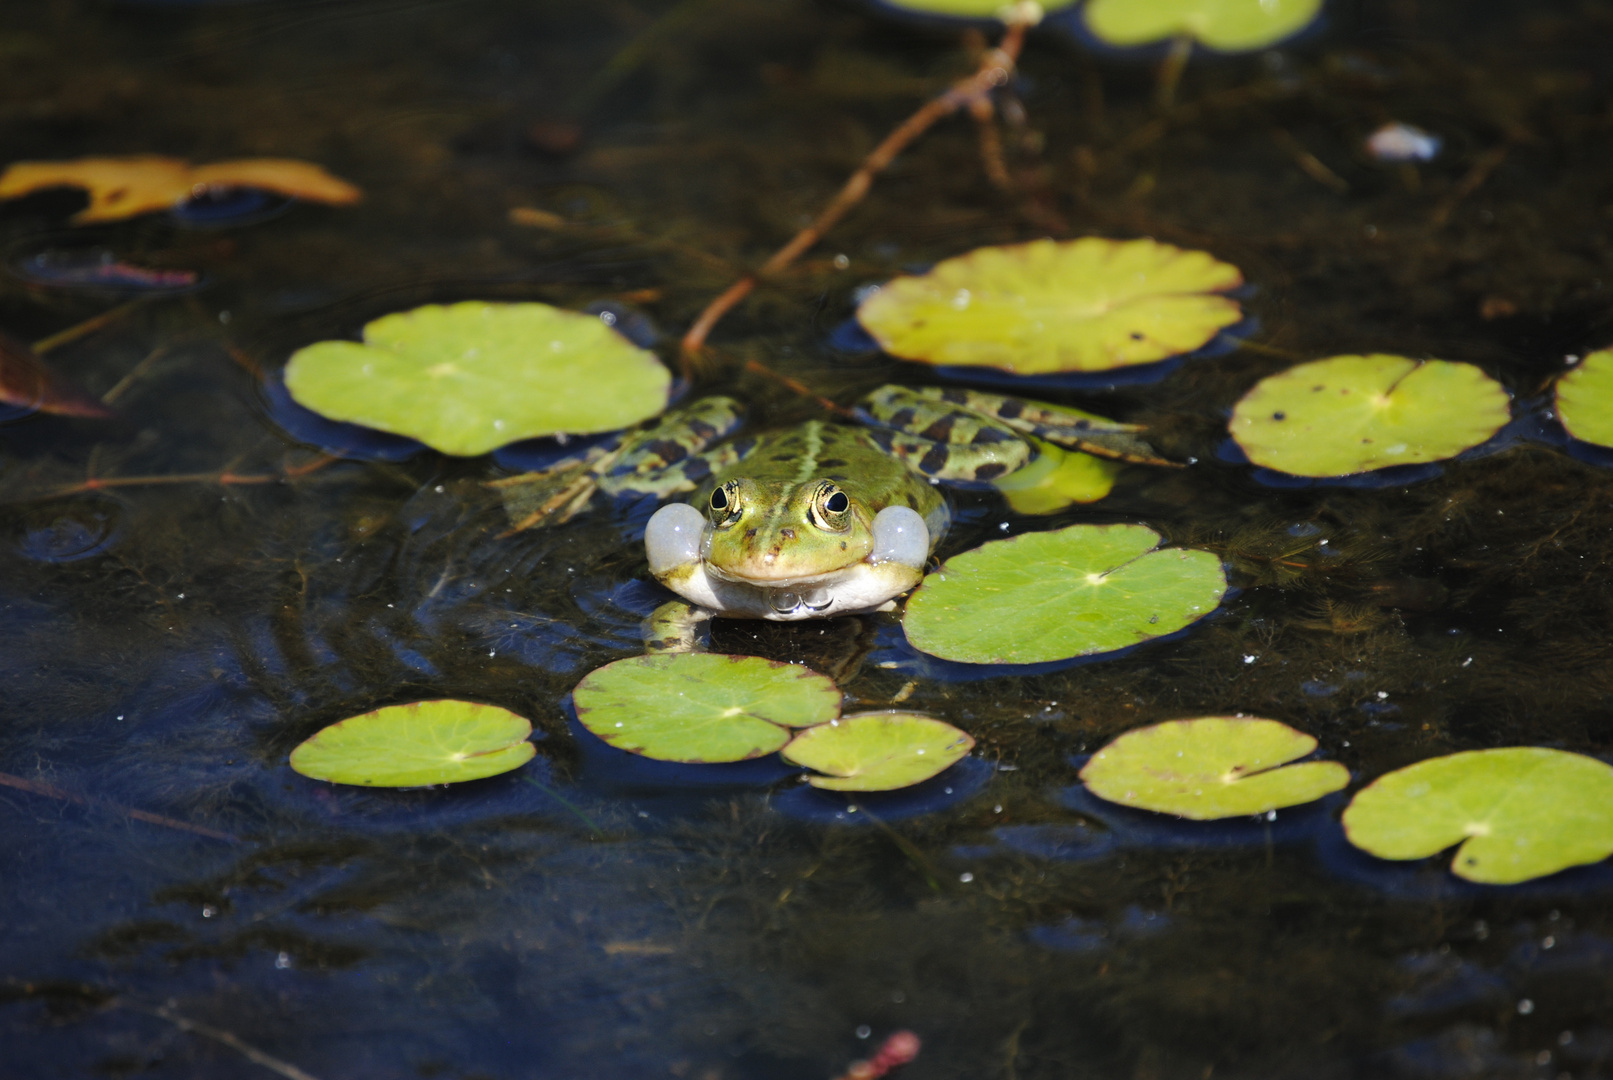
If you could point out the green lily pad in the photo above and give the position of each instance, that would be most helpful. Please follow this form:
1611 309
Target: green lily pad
702 707
1353 414
970 9
1518 813
1585 399
1212 767
1225 25
425 742
1056 479
1054 595
1050 306
468 378
878 751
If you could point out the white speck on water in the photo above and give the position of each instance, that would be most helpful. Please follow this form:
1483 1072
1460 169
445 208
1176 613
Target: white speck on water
224 317
282 961
863 1031
492 652
208 911
1468 662
608 318
438 489
1271 815
842 261
182 596
1249 658
1383 695
949 791
1548 942
966 877
1525 1007
997 809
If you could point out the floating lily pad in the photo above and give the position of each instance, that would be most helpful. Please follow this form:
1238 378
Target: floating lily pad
1224 25
701 707
1053 595
426 742
1056 479
1353 414
878 751
1585 399
1049 307
467 378
1211 767
1518 813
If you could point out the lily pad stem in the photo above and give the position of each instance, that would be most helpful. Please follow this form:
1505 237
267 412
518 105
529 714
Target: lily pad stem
994 70
1170 71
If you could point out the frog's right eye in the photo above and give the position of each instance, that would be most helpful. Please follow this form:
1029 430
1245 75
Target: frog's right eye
725 504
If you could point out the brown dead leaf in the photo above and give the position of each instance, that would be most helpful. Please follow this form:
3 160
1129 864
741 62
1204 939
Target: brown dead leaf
26 381
122 187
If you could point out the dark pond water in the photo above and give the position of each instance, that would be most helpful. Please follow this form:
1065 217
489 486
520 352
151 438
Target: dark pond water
176 900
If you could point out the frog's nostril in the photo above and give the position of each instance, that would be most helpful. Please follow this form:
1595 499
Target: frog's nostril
788 534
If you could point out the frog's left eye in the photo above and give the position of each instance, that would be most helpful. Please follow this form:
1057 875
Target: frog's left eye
831 508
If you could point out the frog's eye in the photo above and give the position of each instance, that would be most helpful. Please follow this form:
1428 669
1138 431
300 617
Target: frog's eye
831 508
725 504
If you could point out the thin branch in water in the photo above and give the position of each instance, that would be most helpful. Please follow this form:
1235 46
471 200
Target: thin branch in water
1487 163
134 374
219 1035
88 326
995 69
1309 163
1170 71
799 387
51 791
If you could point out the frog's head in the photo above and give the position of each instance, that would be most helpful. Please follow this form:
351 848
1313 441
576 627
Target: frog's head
778 534
776 550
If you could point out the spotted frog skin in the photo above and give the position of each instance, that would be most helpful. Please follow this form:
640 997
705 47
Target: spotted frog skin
827 518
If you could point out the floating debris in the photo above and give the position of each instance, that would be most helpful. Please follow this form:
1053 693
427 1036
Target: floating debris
101 270
1396 142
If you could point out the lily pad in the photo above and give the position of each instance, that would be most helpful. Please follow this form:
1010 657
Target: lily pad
1224 25
1212 767
1354 414
1071 592
426 742
470 377
1056 479
124 187
1585 399
702 707
1050 307
1518 813
878 751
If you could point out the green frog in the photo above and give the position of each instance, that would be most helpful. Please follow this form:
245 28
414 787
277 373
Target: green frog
821 519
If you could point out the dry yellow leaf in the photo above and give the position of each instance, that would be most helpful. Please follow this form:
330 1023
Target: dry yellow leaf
122 187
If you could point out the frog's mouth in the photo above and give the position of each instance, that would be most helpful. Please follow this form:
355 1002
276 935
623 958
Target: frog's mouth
799 584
